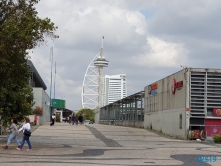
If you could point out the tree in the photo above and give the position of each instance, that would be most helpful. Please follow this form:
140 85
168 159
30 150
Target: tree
20 30
87 114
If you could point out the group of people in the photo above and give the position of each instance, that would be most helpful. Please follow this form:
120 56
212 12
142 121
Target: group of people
14 133
75 120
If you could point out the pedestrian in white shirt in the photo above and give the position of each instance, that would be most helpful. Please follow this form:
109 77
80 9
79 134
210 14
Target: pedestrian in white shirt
26 126
53 117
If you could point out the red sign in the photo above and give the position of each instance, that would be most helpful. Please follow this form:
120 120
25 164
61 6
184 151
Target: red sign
154 86
217 111
176 85
215 122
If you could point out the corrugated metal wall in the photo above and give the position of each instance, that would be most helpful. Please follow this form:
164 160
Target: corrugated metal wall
205 95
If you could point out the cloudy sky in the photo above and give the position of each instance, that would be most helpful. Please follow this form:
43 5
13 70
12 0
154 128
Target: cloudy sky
147 40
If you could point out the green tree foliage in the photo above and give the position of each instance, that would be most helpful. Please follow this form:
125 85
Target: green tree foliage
87 113
20 30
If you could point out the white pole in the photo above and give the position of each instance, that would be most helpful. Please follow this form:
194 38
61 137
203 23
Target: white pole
51 59
54 79
102 42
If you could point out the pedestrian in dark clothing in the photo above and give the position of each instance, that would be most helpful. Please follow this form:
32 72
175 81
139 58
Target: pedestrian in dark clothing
80 119
76 120
73 119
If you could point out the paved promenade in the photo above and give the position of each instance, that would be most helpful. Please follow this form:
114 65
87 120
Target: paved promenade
103 145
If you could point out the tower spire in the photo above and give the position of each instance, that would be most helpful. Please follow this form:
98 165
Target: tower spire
102 43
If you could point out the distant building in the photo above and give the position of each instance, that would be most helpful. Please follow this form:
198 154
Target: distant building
115 88
185 104
41 98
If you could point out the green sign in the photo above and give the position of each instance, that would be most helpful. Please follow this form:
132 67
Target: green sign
58 103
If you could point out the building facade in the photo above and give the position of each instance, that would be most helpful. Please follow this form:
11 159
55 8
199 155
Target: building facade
185 101
115 88
41 98
184 105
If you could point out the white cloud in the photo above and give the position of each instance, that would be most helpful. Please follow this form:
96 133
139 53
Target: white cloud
65 86
174 33
138 20
162 54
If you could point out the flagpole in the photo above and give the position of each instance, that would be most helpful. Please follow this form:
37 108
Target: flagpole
51 59
54 78
102 42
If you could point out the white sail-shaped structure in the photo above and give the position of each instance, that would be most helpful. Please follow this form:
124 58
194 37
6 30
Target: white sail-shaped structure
90 86
93 84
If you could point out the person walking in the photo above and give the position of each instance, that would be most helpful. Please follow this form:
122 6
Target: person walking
70 119
13 128
76 120
35 120
27 127
73 119
80 118
52 119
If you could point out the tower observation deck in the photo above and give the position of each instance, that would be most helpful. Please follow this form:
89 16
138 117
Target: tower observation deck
100 62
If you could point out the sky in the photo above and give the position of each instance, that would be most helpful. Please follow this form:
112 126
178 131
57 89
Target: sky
145 39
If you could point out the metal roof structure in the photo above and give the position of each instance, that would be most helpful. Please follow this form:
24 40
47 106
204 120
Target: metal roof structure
130 108
129 99
36 80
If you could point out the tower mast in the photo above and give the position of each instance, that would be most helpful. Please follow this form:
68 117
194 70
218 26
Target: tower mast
101 62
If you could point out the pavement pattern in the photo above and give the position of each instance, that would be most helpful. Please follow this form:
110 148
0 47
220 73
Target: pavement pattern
103 145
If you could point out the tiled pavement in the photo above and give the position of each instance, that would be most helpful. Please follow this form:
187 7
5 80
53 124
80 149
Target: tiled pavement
100 145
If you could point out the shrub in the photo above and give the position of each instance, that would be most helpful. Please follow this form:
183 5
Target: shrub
217 139
38 111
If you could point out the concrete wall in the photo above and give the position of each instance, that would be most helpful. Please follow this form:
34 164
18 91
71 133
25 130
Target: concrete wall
46 107
164 99
42 99
97 116
167 122
163 108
